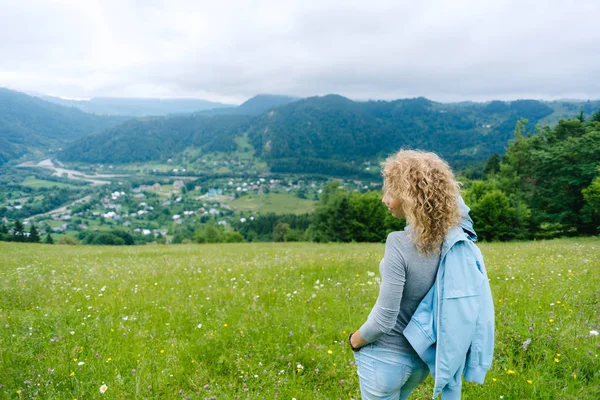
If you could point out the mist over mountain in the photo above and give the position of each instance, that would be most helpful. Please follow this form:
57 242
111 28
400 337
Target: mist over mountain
137 107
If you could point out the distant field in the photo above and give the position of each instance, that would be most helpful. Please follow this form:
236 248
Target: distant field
278 203
269 320
164 191
40 183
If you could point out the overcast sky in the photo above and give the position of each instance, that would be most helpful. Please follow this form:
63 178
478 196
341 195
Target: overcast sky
231 50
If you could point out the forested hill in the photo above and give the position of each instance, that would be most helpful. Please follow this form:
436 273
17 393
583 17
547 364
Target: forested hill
28 123
262 103
323 134
158 138
254 106
336 127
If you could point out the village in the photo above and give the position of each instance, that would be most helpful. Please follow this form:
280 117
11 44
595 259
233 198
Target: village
152 211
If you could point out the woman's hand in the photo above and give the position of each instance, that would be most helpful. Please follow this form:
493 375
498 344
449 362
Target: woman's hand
356 341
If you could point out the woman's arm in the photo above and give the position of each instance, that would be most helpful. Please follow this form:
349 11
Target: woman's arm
385 312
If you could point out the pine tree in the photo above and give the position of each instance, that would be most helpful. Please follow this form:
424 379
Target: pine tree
34 236
18 233
340 221
4 236
49 239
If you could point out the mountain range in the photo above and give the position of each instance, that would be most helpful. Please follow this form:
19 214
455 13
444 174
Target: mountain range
311 135
137 107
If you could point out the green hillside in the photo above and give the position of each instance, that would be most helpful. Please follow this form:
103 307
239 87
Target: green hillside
158 138
333 127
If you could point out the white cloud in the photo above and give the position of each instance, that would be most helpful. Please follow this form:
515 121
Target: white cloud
231 50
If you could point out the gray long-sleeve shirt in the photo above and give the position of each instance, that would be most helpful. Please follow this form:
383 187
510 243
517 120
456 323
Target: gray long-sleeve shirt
406 277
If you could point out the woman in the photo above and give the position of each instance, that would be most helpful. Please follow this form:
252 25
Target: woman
420 187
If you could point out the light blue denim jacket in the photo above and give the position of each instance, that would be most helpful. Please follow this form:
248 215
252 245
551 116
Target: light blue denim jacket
452 330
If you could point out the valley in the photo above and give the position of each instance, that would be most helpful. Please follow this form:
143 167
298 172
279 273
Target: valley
152 201
165 178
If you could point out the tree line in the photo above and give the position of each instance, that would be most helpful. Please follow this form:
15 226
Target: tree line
18 233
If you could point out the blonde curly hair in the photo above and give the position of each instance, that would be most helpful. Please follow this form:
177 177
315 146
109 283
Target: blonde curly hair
428 192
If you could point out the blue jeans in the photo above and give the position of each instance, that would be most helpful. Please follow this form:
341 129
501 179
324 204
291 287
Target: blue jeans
387 374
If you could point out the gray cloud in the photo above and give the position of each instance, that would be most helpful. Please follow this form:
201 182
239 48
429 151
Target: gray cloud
231 50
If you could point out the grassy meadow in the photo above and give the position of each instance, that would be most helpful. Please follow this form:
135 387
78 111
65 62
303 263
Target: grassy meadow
32 182
278 203
269 320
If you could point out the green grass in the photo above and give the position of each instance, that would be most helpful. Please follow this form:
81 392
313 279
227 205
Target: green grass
560 112
164 192
40 183
196 321
245 150
21 200
278 203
